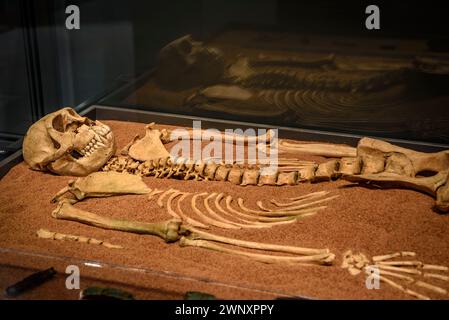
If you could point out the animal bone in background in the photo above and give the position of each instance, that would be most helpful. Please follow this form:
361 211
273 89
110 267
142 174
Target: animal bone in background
186 63
403 270
65 143
147 148
46 234
104 184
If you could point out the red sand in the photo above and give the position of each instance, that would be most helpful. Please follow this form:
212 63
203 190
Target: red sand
371 221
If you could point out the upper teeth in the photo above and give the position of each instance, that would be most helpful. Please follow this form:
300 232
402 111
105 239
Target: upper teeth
97 141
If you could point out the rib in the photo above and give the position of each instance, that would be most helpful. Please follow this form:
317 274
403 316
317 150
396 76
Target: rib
206 218
300 199
186 218
305 205
169 207
302 212
248 224
211 212
276 220
162 196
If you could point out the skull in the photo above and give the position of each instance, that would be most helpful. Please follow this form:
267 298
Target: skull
65 143
185 63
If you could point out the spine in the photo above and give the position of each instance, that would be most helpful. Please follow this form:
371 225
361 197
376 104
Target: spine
236 174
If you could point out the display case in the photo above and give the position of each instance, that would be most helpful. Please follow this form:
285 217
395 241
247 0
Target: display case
350 108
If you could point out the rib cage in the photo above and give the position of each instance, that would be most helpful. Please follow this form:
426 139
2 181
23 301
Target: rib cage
289 78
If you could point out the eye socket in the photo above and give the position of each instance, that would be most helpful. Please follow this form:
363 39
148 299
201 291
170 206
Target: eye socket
58 123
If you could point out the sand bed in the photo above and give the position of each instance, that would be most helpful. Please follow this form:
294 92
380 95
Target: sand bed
371 221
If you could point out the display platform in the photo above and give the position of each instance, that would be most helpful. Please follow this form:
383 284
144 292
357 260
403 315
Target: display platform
364 220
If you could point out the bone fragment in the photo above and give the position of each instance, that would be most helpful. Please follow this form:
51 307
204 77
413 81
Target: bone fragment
155 192
46 234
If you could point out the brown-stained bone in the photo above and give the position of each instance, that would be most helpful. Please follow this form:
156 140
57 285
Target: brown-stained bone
104 184
46 234
407 271
167 230
148 148
173 230
373 161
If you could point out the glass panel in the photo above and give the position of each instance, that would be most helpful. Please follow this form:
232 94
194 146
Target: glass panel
288 64
15 105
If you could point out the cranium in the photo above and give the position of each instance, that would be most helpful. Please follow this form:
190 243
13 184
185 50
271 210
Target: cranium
65 143
185 63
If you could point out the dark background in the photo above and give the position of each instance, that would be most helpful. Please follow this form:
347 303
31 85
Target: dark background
44 67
